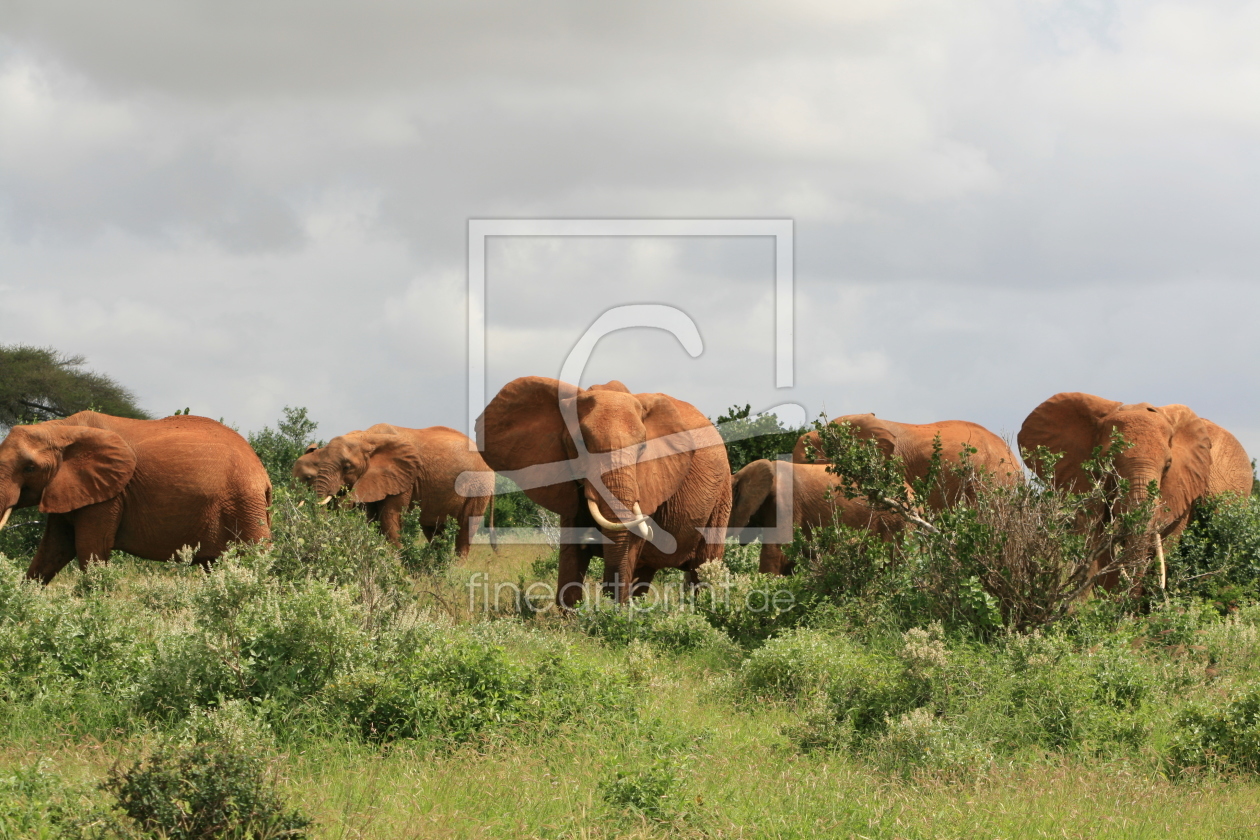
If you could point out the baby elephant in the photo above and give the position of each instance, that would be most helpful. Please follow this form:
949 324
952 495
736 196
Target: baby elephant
758 491
389 469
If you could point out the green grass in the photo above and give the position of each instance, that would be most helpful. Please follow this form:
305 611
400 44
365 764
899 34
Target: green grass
664 728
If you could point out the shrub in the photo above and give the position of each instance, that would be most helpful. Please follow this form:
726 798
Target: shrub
849 687
193 791
453 687
751 438
1218 738
751 608
1218 555
652 792
255 637
672 627
427 557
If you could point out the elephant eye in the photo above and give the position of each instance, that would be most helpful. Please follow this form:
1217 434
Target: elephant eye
30 468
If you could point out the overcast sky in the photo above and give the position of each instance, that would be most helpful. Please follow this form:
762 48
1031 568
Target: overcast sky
241 206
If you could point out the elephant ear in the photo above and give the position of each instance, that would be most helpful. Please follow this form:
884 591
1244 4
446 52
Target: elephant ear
392 465
96 465
522 427
750 488
1066 423
311 447
1187 477
670 449
870 427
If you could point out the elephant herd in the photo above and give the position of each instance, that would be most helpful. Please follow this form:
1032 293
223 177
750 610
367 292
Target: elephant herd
641 480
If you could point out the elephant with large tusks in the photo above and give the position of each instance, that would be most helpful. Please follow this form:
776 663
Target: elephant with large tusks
147 487
389 469
648 470
817 500
1186 456
913 444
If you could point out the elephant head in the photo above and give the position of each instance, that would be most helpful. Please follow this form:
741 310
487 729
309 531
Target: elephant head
370 466
600 455
61 468
306 467
1171 446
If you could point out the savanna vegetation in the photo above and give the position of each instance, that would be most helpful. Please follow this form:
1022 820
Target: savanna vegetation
967 681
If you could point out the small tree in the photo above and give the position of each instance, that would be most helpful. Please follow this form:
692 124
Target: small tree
39 383
751 438
278 448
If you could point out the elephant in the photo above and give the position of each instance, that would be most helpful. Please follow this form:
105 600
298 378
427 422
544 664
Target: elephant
147 487
1187 456
650 471
913 444
389 469
817 501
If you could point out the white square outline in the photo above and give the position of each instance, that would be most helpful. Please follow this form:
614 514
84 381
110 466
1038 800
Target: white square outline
784 304
479 229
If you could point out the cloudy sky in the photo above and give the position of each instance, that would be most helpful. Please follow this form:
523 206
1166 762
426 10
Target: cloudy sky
241 206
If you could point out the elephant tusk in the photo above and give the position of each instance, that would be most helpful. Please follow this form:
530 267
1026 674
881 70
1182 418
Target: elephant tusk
644 530
601 521
4 520
325 500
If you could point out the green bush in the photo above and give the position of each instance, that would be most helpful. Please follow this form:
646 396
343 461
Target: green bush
671 627
200 790
453 687
253 637
750 608
1218 555
1218 737
854 687
427 557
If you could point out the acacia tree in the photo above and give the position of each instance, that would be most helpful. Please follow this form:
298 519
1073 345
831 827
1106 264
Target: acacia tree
39 383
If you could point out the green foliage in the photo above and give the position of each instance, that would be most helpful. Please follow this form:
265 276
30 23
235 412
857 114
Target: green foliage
427 557
451 687
652 792
667 627
998 557
278 448
1224 737
199 790
21 535
752 607
39 383
750 438
1218 555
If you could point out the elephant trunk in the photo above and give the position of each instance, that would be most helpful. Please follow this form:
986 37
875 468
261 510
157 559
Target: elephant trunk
327 484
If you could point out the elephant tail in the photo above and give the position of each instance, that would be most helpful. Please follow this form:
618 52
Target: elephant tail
494 536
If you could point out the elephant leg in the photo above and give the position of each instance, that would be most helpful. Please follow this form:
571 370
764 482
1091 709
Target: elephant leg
574 561
772 560
95 527
55 550
467 530
642 582
390 512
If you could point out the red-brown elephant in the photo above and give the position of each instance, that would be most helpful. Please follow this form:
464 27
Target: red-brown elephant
817 501
913 444
1186 456
389 469
648 469
147 487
